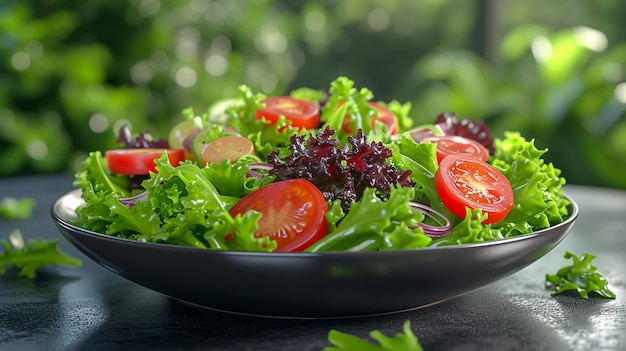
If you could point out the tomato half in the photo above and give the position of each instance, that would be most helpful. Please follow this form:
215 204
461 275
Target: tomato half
457 145
292 213
139 161
383 116
303 114
465 181
386 117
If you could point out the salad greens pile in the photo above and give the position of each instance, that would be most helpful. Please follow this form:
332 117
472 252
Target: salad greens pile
30 255
405 341
188 204
581 277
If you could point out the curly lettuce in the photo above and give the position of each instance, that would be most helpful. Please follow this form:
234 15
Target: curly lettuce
374 224
181 206
537 188
405 341
581 277
28 256
348 105
188 204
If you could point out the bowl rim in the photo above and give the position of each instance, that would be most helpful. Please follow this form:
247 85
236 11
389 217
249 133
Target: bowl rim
573 212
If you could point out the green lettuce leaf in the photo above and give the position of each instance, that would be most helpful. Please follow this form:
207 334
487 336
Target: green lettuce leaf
27 257
230 178
402 113
581 277
375 224
405 341
314 95
95 175
17 208
181 206
537 185
421 160
537 188
346 101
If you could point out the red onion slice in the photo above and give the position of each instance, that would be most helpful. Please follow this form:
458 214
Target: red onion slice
433 231
257 165
130 201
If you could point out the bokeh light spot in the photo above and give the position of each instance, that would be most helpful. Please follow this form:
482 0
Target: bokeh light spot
37 149
199 5
378 19
98 123
34 49
315 21
541 48
148 8
216 65
620 93
141 72
276 42
186 77
20 61
269 83
590 38
187 43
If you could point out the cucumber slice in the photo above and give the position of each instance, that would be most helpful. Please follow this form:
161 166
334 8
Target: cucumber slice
199 142
217 111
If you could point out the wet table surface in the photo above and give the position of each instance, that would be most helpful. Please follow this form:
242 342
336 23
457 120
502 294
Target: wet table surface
90 308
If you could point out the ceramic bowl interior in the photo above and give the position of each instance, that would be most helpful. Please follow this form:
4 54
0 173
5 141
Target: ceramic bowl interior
309 285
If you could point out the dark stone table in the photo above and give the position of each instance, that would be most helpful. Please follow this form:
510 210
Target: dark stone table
90 308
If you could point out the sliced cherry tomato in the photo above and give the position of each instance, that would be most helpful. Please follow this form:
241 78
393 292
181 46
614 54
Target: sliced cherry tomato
139 161
384 116
292 213
465 181
303 114
457 145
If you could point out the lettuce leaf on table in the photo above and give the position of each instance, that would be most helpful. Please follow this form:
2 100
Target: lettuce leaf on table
405 341
581 277
17 208
27 257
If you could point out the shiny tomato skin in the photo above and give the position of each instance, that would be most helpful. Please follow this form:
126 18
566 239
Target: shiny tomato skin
292 213
139 161
464 181
303 114
457 145
386 117
383 115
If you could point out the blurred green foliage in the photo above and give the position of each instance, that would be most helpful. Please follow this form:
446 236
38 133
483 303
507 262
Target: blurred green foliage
71 72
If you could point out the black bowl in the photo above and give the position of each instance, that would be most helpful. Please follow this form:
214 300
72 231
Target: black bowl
309 285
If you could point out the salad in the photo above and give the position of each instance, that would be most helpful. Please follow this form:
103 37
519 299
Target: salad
319 171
